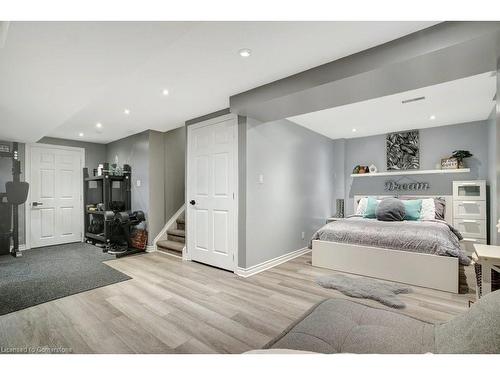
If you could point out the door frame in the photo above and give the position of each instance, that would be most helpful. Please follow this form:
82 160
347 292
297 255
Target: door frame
190 128
27 178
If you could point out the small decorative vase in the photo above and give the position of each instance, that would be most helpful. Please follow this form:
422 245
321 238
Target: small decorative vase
373 169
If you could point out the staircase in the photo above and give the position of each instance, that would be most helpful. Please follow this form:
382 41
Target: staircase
175 238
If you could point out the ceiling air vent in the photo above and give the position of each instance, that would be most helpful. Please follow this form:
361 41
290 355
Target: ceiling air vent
413 100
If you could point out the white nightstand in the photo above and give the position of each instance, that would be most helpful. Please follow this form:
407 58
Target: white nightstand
330 219
488 257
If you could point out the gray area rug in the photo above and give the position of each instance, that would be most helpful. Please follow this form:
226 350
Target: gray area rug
362 287
49 273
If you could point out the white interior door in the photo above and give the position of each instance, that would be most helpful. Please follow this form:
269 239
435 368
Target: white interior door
211 227
55 201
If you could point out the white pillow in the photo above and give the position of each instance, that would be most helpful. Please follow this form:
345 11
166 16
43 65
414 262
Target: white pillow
428 211
363 202
360 210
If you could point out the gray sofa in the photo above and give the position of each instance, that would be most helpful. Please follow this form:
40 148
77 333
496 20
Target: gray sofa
343 326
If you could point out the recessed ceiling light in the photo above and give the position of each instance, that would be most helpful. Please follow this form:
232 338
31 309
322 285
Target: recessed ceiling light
98 125
245 52
165 92
354 130
432 117
80 134
126 111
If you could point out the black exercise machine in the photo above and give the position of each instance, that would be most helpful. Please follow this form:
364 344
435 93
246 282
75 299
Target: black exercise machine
16 193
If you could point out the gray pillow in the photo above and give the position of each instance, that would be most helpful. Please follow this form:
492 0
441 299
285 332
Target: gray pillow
390 209
440 205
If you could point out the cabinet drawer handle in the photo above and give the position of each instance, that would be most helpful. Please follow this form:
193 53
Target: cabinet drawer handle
469 221
468 202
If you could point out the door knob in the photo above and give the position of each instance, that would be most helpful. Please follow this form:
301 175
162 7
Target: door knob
192 202
35 204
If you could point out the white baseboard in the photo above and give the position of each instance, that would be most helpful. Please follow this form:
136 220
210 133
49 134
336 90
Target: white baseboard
23 247
246 272
150 248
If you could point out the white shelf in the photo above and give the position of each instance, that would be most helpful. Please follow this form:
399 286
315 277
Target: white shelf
417 171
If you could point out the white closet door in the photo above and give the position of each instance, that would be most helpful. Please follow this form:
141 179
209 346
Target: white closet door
210 194
55 211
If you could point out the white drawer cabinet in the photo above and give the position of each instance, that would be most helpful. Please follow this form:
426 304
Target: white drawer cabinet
469 209
470 212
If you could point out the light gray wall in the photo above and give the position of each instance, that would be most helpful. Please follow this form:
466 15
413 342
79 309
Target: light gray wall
95 153
175 170
134 150
298 188
495 172
492 171
6 175
242 188
435 143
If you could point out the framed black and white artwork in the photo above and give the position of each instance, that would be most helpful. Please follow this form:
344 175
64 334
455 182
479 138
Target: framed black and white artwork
403 150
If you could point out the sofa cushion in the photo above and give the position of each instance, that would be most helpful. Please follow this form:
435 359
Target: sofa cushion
343 326
476 332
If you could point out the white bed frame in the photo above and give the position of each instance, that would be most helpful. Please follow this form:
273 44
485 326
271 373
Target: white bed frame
425 270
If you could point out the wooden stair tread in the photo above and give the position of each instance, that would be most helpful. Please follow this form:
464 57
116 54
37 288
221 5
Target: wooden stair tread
177 232
170 245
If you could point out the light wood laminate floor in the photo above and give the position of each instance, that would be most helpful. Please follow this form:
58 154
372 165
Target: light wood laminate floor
171 306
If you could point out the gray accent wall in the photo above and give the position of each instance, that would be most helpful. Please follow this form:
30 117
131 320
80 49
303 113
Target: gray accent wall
95 153
175 170
435 143
297 193
156 213
134 150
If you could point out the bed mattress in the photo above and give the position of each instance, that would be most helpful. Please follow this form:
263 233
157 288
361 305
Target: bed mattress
435 237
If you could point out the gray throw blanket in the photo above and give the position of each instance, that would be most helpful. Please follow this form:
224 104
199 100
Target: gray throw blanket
435 237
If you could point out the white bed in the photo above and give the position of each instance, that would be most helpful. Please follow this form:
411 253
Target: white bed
426 270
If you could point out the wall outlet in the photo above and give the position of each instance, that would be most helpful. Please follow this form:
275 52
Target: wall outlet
303 235
138 183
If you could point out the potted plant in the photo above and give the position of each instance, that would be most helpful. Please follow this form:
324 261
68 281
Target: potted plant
460 155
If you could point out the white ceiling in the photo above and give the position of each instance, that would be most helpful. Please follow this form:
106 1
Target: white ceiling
454 102
61 78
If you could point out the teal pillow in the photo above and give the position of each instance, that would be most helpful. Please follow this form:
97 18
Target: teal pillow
371 208
412 209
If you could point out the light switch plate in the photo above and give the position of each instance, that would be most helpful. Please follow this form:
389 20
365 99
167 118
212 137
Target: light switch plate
261 178
138 183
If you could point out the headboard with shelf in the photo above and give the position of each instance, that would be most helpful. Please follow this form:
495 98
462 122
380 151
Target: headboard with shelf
448 213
